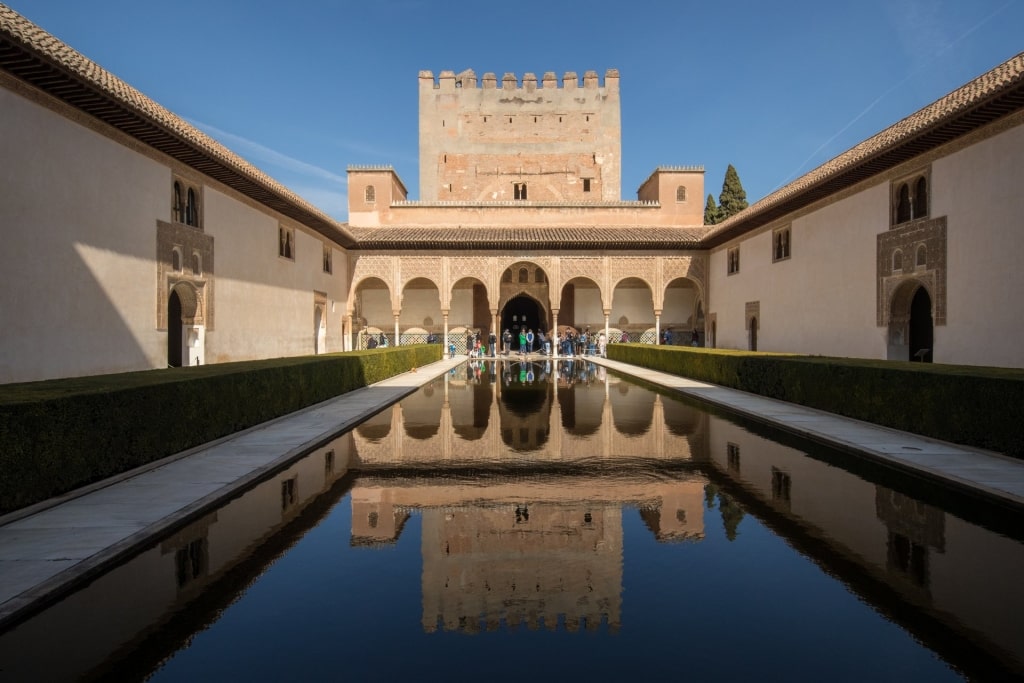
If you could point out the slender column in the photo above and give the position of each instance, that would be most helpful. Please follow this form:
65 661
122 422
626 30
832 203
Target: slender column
607 330
444 351
657 327
554 342
496 331
398 340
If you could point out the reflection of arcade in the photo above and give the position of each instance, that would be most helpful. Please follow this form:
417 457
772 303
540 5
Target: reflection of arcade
521 489
532 412
500 550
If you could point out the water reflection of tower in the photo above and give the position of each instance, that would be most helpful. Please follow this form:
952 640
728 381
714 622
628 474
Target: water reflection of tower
510 564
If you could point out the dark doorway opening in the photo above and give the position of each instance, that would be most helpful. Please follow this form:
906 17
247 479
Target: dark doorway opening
753 334
521 313
921 328
174 331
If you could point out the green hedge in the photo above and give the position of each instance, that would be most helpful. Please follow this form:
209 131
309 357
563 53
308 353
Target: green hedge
58 435
969 405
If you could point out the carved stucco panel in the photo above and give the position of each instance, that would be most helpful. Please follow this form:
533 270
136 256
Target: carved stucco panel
372 266
929 235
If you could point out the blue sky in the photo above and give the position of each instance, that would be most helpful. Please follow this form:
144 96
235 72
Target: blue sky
305 88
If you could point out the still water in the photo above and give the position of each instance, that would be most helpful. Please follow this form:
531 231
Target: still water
523 521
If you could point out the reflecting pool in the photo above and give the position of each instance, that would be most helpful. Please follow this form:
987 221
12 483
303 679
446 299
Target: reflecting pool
514 520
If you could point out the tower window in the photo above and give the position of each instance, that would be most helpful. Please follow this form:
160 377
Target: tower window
681 193
520 190
370 194
586 184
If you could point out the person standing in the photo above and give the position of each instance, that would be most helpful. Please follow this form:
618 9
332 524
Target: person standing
529 340
522 342
492 344
506 339
602 345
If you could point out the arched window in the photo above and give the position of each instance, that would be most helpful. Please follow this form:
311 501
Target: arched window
178 208
370 194
192 208
524 275
176 260
922 256
903 204
197 263
681 193
921 198
897 260
519 190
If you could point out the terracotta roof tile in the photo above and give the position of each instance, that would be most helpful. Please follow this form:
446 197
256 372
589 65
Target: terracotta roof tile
544 237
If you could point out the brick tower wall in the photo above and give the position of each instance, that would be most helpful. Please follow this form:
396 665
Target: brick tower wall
481 143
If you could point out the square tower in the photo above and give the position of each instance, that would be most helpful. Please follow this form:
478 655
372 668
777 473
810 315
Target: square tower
526 141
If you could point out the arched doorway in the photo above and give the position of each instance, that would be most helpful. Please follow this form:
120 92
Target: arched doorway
174 330
753 334
522 312
921 326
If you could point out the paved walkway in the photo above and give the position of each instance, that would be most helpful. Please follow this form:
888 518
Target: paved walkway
49 547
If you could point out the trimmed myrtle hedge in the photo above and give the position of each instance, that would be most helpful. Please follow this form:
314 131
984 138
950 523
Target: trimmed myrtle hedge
968 405
58 435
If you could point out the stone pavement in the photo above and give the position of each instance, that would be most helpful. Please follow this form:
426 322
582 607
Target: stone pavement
47 548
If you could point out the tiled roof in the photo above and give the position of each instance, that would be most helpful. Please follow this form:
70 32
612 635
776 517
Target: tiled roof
984 100
38 58
519 237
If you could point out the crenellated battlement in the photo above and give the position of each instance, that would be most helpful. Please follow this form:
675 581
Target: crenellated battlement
450 81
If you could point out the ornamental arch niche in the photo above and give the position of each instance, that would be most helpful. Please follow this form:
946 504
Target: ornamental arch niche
580 304
682 312
633 308
420 315
185 328
470 306
911 323
524 300
371 308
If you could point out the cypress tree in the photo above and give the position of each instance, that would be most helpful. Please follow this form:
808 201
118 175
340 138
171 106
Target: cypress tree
733 198
712 214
